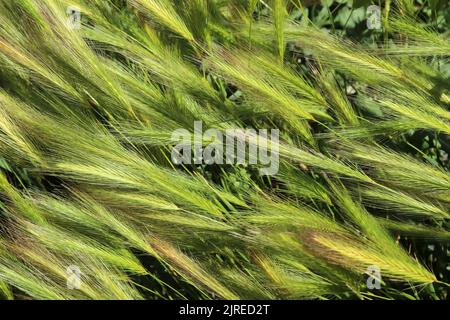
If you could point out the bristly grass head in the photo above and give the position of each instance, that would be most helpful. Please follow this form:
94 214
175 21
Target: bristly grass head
87 182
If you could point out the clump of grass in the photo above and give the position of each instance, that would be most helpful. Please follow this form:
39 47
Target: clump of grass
86 117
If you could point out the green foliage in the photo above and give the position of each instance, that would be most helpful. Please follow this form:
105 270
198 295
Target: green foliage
86 117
